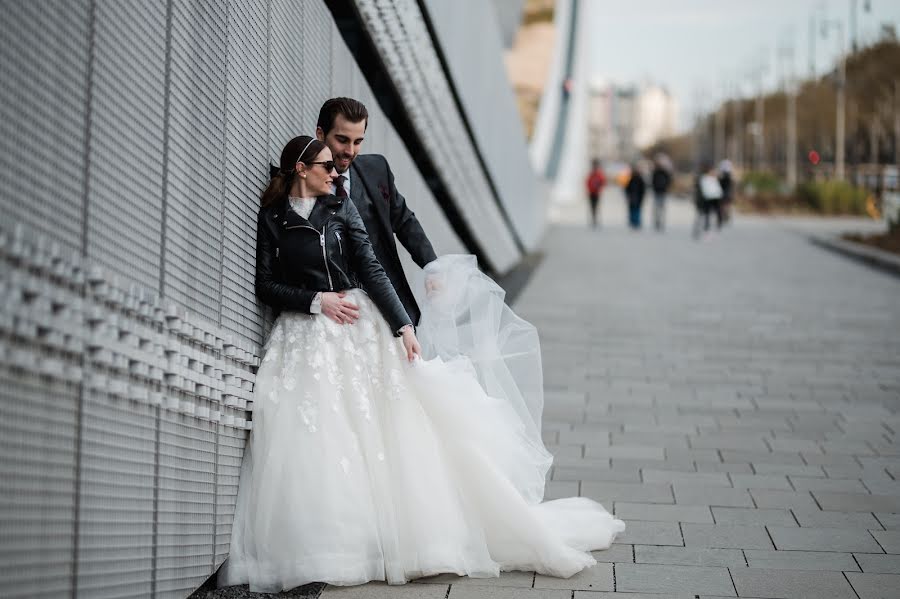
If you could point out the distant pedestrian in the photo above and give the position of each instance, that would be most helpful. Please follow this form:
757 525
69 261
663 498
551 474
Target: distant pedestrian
634 194
727 184
594 183
708 197
660 180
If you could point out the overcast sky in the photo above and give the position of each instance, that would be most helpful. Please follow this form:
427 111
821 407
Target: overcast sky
696 47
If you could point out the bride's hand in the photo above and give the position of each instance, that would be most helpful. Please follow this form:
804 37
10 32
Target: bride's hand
410 343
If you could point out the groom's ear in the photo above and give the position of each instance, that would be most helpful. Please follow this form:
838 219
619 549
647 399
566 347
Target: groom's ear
320 135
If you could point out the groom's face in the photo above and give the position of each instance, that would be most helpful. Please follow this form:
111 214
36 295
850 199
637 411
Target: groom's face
345 140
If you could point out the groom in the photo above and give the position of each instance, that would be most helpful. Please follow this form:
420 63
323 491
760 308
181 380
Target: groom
369 183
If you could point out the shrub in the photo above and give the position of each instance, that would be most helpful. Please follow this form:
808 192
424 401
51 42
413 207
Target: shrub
761 182
833 197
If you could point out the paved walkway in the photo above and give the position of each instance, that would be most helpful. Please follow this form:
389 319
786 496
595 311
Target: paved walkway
736 401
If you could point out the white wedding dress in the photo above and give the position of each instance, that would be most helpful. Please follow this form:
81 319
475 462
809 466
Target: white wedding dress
362 466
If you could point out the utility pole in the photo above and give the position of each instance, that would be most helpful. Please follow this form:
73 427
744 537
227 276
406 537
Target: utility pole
720 150
896 121
738 117
841 97
814 15
792 132
789 84
756 72
854 30
812 47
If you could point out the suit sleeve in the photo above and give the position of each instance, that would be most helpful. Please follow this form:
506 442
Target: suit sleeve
370 271
269 289
407 227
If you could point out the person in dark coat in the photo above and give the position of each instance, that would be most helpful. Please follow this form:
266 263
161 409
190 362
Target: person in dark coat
634 193
727 183
368 181
660 180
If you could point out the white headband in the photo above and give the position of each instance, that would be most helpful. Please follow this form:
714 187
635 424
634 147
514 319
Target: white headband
303 151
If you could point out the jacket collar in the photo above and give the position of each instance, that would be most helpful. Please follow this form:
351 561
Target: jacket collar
323 209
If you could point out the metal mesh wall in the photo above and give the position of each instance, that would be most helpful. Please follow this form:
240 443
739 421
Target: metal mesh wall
43 106
399 32
136 138
480 79
125 156
196 148
246 159
37 436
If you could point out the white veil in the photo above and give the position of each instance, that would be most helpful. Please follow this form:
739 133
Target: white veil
464 316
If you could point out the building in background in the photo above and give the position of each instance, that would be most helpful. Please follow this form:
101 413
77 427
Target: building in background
529 55
624 119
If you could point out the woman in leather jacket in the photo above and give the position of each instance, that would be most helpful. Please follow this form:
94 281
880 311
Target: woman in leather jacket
308 242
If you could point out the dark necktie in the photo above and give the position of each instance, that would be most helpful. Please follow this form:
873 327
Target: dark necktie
339 190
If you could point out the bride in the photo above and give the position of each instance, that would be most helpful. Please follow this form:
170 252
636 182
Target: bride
367 462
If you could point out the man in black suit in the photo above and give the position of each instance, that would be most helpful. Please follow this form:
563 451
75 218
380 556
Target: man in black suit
368 181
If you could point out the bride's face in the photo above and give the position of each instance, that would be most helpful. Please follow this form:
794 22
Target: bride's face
319 174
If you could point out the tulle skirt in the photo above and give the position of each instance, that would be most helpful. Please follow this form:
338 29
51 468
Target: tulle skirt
362 466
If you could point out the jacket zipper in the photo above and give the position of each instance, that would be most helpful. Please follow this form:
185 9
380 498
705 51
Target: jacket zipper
340 247
325 258
322 245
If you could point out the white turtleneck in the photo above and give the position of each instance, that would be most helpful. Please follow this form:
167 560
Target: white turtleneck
302 206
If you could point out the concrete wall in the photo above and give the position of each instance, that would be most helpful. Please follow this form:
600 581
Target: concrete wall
136 137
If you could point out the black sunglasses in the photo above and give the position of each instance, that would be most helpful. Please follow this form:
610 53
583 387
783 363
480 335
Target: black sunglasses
328 164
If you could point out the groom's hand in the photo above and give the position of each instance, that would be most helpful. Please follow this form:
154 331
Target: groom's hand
433 285
338 309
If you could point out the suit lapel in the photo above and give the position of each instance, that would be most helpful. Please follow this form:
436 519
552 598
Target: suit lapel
358 193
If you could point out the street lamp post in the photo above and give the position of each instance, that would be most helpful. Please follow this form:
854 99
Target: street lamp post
786 63
757 72
841 97
737 153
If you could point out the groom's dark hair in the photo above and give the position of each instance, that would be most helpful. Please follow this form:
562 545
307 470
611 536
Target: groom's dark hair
352 110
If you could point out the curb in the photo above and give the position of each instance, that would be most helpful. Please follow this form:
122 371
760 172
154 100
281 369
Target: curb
876 258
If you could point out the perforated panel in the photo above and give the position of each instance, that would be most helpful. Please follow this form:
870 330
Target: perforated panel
126 153
43 106
116 503
228 472
316 44
186 505
37 464
246 161
196 150
399 32
286 75
480 79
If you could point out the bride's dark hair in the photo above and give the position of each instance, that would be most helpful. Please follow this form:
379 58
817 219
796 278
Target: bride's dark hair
300 149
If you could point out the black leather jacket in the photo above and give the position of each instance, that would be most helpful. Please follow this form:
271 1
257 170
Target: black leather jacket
298 257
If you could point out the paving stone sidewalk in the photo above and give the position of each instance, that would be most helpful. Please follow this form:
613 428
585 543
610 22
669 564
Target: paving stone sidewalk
735 400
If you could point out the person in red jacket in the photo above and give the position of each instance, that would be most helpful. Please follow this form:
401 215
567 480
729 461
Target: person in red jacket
595 182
